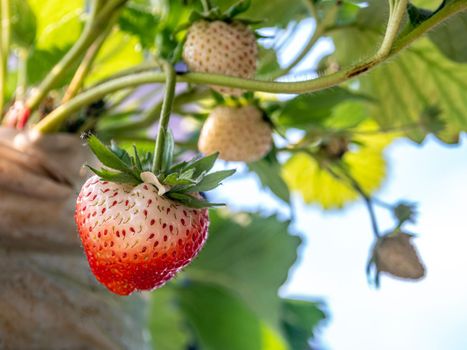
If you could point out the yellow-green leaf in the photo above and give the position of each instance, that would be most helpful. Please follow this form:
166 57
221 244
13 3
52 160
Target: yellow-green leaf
58 22
120 51
316 185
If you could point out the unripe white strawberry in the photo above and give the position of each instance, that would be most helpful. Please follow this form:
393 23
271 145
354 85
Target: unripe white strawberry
221 48
396 255
237 133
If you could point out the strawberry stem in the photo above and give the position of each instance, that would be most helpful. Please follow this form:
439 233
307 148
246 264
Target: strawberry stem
170 82
4 47
146 76
206 5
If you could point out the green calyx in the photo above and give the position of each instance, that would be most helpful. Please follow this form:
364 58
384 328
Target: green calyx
180 182
215 14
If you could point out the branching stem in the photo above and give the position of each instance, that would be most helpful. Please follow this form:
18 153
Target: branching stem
53 120
85 66
97 23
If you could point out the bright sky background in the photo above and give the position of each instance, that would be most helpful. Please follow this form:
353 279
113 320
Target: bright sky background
428 315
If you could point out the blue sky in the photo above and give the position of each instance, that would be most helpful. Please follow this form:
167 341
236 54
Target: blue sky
428 315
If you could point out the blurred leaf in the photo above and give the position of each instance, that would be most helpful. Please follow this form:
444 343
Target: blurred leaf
347 13
120 51
309 110
268 171
268 62
272 12
446 37
40 63
300 319
168 152
167 324
271 339
347 114
417 79
316 185
23 24
257 253
58 22
223 321
141 22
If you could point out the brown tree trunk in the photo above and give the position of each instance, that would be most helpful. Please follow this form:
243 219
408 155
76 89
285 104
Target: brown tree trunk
48 297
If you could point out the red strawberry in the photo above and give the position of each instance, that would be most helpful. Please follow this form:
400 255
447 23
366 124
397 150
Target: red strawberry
135 239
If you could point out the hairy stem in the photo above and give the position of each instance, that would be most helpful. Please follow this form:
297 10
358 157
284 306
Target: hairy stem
4 47
170 82
53 120
397 12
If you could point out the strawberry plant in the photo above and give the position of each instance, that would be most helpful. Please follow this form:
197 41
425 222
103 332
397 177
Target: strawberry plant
173 98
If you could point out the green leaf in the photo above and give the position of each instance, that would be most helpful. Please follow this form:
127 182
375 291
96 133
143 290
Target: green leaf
238 8
416 80
257 253
137 159
448 37
300 319
167 323
417 15
121 154
308 110
268 63
202 164
41 62
269 173
177 179
347 13
107 175
141 22
220 320
23 24
211 181
54 18
168 154
107 157
120 51
346 115
271 13
366 163
191 201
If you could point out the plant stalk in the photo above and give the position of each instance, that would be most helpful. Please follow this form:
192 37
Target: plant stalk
53 120
5 49
206 5
21 85
97 23
85 66
170 82
396 15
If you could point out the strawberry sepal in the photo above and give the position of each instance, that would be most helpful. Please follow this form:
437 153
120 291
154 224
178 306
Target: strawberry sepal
183 181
